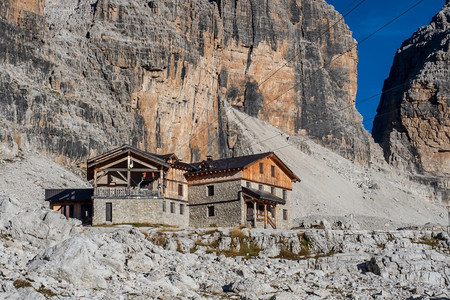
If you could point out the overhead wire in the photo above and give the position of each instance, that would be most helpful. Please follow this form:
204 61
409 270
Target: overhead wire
286 63
342 53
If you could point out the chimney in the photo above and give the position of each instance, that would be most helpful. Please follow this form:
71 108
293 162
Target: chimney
209 158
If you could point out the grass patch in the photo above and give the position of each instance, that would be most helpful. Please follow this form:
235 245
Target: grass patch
240 246
164 229
5 237
433 243
154 225
46 292
159 240
237 233
213 225
381 245
288 254
19 283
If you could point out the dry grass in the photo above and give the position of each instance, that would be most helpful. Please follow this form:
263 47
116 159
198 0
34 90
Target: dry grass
19 283
236 232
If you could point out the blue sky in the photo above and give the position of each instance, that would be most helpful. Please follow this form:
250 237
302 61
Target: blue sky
377 53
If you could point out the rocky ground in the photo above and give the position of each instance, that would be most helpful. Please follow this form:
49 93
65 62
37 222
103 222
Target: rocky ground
125 262
45 255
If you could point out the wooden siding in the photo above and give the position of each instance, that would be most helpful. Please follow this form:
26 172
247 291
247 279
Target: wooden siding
252 173
173 178
214 177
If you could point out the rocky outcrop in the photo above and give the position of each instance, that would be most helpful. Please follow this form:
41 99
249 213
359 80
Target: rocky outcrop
413 117
128 262
79 77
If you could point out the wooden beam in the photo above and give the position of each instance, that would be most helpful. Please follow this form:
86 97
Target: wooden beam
254 213
123 176
128 171
143 163
275 214
265 215
161 176
106 159
113 163
103 175
131 170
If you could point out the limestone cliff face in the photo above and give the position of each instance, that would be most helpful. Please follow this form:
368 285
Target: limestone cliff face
77 77
413 117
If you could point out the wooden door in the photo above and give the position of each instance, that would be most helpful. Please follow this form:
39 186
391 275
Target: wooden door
250 211
108 212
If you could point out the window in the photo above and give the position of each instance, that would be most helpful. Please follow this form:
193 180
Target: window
247 184
172 207
210 190
260 187
180 190
272 190
181 209
285 216
261 168
108 212
210 211
272 171
164 206
284 194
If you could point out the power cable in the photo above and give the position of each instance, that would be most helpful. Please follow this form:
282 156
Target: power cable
342 53
295 55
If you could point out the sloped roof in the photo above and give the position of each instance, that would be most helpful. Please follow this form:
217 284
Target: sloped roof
228 163
262 195
72 195
120 152
237 163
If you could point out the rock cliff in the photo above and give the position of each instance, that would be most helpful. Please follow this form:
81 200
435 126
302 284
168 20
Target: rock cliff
413 117
77 77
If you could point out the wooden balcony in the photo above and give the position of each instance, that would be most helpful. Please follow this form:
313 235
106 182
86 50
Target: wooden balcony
124 192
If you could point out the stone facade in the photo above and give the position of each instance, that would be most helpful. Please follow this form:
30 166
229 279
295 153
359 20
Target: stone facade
226 202
143 210
228 206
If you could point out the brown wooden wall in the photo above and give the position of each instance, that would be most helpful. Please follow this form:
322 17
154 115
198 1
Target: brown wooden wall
252 173
173 178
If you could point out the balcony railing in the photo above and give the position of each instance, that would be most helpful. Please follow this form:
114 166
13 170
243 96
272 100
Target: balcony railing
123 192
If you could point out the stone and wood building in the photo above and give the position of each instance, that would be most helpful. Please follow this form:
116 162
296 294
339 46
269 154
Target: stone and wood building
134 186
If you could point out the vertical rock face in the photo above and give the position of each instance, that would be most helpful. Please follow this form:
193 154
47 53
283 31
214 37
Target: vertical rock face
413 118
78 77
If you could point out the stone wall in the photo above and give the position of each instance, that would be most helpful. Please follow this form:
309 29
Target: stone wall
144 210
226 201
229 207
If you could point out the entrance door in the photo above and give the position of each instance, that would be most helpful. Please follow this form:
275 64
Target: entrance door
250 215
86 214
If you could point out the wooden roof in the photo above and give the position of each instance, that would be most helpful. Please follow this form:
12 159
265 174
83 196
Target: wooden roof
262 195
237 163
119 153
